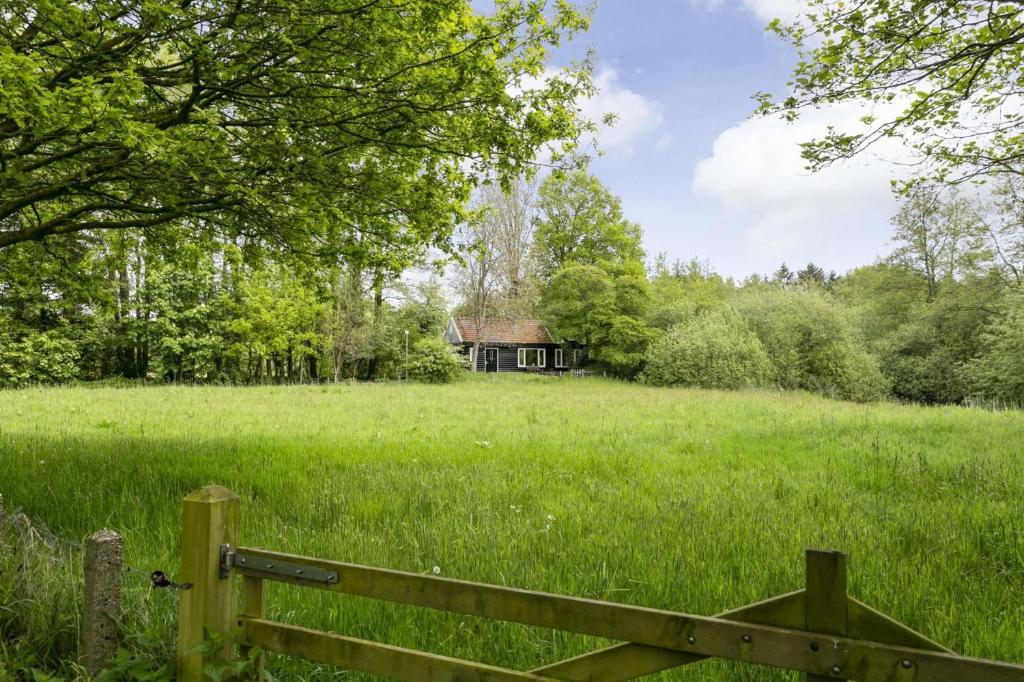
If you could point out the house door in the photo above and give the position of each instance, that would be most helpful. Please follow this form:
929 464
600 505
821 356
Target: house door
490 359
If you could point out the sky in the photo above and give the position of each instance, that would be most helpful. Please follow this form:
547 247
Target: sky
702 176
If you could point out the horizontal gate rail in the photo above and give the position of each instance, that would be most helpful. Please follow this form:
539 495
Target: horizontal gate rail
784 632
372 657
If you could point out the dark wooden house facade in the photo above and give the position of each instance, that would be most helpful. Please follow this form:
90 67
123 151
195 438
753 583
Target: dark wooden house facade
511 346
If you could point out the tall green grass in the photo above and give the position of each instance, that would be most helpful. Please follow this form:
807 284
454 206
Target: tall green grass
691 500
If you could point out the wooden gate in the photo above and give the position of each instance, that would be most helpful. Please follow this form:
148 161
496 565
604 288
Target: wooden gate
819 630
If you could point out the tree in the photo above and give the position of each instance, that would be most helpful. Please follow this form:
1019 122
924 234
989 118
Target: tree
997 372
510 226
476 279
578 303
348 326
783 277
1002 231
680 291
300 125
811 275
606 314
943 76
931 232
580 222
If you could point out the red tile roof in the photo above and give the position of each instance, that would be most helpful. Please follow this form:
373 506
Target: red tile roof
504 331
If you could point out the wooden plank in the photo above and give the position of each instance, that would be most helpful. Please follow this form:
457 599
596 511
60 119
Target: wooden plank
372 657
826 601
209 519
779 647
254 598
628 661
864 622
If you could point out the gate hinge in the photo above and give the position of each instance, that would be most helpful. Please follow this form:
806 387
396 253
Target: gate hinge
227 561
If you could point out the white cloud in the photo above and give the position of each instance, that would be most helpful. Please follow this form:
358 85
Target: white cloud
757 180
764 10
636 115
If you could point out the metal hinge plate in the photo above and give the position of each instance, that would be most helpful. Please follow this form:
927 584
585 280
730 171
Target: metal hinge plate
283 568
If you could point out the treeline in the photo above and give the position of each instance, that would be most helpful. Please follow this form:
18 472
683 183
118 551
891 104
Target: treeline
164 306
937 321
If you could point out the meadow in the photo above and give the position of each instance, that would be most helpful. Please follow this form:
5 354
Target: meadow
681 499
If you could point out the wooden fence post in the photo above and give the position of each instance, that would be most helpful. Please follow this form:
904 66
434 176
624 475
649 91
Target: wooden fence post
209 521
827 600
103 566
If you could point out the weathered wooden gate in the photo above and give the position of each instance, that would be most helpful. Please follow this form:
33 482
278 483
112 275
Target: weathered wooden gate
818 630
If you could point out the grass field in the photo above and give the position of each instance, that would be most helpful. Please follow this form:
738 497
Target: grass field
678 499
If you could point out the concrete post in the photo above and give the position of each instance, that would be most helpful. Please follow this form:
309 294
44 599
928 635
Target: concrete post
104 562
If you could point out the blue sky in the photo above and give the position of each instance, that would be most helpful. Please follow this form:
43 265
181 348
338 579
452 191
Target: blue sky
690 165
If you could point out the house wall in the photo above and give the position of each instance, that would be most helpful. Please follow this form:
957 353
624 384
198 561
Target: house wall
508 358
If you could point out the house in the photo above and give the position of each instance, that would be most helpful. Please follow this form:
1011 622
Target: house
517 345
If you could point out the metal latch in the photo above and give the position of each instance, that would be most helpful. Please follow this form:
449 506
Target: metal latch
230 559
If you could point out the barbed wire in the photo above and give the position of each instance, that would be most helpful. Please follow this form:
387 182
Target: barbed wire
33 532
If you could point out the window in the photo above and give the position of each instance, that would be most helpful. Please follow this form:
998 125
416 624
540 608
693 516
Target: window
560 358
531 357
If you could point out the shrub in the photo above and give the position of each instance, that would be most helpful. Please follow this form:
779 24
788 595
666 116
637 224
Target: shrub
921 364
812 343
434 361
45 357
997 374
713 350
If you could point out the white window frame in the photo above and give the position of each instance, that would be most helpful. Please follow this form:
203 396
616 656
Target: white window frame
560 358
542 358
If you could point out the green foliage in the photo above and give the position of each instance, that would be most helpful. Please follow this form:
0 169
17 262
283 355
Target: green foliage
715 349
37 357
682 290
997 373
577 302
942 76
812 343
434 361
39 589
312 126
605 313
580 222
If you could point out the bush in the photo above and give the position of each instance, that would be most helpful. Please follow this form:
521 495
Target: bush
997 374
921 364
45 357
434 361
713 350
812 343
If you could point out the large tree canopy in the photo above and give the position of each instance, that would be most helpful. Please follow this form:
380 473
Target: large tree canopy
950 70
303 123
